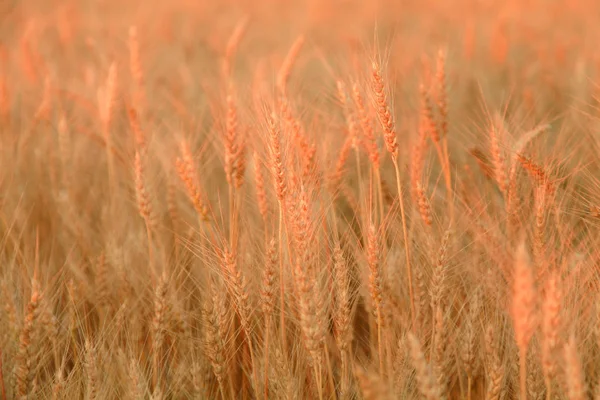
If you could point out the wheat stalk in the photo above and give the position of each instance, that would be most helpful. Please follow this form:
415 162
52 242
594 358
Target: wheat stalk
576 388
524 299
551 324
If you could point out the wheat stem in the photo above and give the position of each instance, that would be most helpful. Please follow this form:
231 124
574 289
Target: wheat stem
281 280
266 355
406 243
523 373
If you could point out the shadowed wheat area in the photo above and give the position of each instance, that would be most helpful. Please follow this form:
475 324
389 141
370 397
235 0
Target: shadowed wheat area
308 199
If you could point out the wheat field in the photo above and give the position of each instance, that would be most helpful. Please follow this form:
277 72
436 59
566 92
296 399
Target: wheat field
307 199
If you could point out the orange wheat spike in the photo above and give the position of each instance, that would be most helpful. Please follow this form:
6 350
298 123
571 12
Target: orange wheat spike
261 194
383 111
233 44
339 169
376 286
143 198
311 314
268 292
423 203
230 140
427 112
389 132
276 157
418 152
240 162
351 122
109 99
498 160
215 338
536 172
342 311
441 94
366 126
343 306
187 173
438 280
302 226
285 71
483 162
293 125
373 256
136 129
24 357
135 65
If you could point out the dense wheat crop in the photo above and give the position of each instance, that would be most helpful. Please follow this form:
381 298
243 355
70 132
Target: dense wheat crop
308 199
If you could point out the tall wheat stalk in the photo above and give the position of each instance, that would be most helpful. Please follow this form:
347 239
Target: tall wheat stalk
391 143
278 172
523 310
